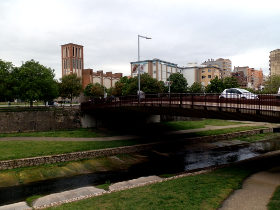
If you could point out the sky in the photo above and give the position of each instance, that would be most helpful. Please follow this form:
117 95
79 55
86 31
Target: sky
182 31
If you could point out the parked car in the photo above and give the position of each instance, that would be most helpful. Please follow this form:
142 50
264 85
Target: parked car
237 93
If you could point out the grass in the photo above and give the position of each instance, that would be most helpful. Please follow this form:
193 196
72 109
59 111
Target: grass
31 199
104 186
77 133
205 191
258 137
185 125
274 203
22 149
222 131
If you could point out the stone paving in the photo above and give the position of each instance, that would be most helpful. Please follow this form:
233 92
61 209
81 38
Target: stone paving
67 196
16 206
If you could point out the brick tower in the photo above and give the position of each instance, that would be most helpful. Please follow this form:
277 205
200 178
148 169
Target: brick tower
72 57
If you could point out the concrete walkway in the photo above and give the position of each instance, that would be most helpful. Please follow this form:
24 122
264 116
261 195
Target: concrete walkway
128 137
255 193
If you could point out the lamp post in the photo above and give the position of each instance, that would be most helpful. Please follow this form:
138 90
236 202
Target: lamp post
139 36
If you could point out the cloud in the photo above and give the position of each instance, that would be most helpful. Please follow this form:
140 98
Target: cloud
182 31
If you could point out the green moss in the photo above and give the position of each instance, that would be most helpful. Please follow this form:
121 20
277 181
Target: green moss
31 199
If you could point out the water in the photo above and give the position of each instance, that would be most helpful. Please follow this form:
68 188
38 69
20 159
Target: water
166 159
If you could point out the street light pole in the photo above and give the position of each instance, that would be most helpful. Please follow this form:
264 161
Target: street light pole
139 36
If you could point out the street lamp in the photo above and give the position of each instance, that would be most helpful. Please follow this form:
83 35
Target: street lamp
139 36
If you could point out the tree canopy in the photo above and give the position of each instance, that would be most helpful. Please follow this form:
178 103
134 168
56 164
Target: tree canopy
218 85
36 82
6 81
94 90
70 86
272 84
196 87
179 83
129 86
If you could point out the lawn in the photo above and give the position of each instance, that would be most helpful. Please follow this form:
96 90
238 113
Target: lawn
23 149
185 125
205 191
274 203
77 133
222 131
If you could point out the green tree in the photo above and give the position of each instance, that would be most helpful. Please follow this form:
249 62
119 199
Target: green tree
6 81
230 82
179 83
70 86
35 82
149 85
196 87
97 90
87 90
272 84
216 86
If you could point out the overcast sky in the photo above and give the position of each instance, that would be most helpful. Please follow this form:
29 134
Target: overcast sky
182 31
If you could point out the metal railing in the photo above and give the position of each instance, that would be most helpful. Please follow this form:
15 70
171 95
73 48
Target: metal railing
259 103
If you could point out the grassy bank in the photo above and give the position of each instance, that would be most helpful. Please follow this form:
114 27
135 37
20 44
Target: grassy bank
77 133
259 137
205 191
186 125
222 131
22 149
39 173
274 203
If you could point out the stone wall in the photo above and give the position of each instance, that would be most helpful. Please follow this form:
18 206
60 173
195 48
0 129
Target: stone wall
35 161
45 119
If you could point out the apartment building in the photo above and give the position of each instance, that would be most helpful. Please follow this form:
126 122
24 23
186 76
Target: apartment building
207 73
274 62
248 77
224 65
156 68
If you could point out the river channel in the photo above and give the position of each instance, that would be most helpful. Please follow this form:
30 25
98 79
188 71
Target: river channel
166 159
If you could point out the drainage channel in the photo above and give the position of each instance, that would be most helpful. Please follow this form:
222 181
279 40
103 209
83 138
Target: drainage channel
166 159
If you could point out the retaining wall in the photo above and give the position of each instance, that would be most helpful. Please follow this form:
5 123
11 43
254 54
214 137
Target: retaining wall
26 120
35 161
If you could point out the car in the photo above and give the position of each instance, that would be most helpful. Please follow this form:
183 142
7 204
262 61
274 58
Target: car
238 93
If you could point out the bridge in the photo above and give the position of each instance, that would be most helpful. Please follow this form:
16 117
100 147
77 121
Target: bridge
266 107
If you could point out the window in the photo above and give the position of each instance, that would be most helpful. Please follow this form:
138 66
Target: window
202 71
209 76
209 70
203 77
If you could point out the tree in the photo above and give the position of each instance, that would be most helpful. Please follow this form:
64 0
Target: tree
272 84
70 86
216 86
87 90
196 87
35 82
149 85
6 90
230 82
179 83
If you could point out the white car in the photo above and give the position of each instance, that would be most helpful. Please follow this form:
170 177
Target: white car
237 93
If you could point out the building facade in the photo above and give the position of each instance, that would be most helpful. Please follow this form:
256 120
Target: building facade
207 73
274 62
224 65
248 77
72 57
107 79
156 68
